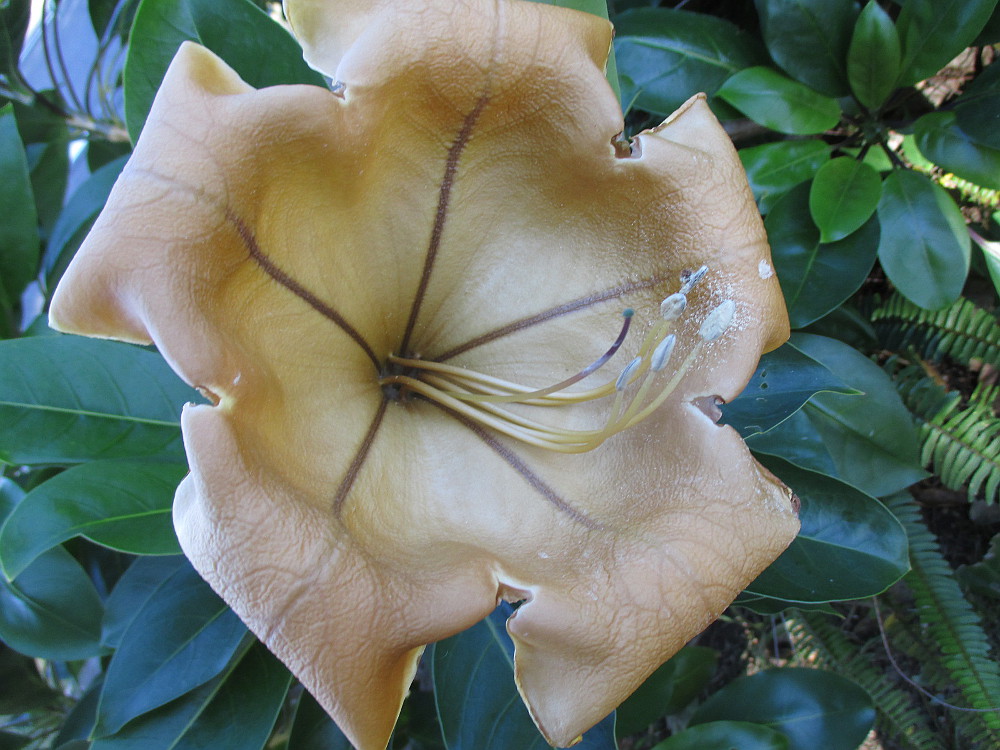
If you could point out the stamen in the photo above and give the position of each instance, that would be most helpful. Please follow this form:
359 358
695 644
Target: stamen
626 374
718 321
480 398
672 307
662 353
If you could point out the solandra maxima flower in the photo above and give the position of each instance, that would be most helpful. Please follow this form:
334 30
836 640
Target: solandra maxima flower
462 343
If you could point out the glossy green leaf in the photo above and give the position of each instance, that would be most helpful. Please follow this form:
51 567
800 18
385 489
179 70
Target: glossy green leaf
667 691
478 704
874 57
251 699
728 735
809 39
775 168
850 545
48 164
239 32
19 244
816 278
935 31
181 638
51 610
164 727
940 139
843 196
14 16
313 729
75 220
779 103
977 110
137 585
125 505
784 380
812 708
868 441
80 720
66 399
924 247
665 55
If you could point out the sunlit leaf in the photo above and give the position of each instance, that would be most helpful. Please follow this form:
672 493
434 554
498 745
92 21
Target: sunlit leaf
924 246
809 39
769 98
935 31
874 57
775 168
843 196
664 55
940 138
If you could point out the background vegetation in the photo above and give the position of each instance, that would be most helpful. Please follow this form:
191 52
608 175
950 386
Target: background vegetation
871 137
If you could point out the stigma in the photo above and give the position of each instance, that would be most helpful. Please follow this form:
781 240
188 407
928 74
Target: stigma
635 393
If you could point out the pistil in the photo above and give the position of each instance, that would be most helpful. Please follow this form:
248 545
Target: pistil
635 394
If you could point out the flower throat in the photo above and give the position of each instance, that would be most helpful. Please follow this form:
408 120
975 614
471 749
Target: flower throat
640 388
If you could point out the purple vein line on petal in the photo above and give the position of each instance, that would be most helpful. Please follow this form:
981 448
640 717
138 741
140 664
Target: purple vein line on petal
553 312
271 269
535 481
441 216
351 475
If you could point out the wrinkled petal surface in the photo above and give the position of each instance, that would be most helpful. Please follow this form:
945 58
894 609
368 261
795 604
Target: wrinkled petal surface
456 197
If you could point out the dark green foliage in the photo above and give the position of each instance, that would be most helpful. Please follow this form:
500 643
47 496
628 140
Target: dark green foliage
952 629
126 649
961 331
817 636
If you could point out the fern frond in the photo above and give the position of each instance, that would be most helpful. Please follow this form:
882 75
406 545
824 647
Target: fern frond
953 628
898 715
963 444
961 331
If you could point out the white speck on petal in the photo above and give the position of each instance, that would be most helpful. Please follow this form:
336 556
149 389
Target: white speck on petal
765 270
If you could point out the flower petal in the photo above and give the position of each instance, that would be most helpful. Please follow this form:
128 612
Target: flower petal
460 196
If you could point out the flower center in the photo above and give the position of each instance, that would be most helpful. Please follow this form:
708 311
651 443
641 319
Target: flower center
640 388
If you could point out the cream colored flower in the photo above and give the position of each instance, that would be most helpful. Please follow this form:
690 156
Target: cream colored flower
359 277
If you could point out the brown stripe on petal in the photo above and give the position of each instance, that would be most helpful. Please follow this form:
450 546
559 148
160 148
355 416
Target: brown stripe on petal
351 475
441 216
271 269
580 303
535 481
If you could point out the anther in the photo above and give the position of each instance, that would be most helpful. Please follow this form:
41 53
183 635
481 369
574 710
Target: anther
717 321
662 353
672 307
626 374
